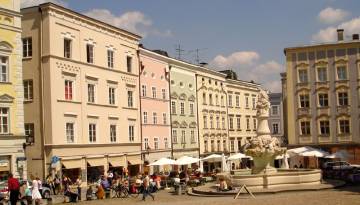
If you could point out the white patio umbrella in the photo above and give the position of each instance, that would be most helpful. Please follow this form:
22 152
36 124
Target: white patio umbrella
282 156
201 168
341 154
163 161
237 156
213 158
297 151
186 160
314 153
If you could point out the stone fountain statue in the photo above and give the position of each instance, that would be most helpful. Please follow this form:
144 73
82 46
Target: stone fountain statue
263 148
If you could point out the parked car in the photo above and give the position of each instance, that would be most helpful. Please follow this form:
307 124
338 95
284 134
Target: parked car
340 165
46 191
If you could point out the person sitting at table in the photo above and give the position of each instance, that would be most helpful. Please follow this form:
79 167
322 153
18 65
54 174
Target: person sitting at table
100 193
105 183
223 185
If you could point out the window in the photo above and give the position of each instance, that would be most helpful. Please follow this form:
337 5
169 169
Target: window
237 100
344 126
112 96
92 132
110 58
274 110
192 136
239 144
211 122
218 146
70 132
163 93
323 100
67 48
223 122
156 143
164 119
131 133
217 99
28 90
145 117
166 143
303 77
305 128
91 93
206 146
238 123
112 133
29 132
27 47
174 136
146 143
255 122
231 123
224 146
324 127
182 108
343 98
275 128
232 145
230 100
143 90
341 73
129 64
304 101
89 53
210 99
205 121
322 74
173 107
212 146
247 124
68 90
247 102
204 98
222 100
153 91
253 103
217 122
183 136
4 72
130 99
154 118
191 108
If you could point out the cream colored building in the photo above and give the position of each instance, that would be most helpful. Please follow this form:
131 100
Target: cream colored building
321 92
12 136
212 111
241 108
85 84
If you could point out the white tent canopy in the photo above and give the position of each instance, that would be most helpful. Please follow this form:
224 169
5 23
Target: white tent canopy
282 156
237 156
307 152
341 154
163 161
186 160
213 158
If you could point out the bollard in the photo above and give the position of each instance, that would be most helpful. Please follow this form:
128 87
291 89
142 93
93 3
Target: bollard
49 201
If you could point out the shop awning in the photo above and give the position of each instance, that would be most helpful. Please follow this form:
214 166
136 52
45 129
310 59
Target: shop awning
72 164
134 159
95 162
117 161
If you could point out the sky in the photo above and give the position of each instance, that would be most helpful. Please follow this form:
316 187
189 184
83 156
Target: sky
247 36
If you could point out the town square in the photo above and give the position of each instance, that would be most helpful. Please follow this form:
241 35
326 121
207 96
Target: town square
179 102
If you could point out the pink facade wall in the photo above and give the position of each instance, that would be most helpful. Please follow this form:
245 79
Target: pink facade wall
153 75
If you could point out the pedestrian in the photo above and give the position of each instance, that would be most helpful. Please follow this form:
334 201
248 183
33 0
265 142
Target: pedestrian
36 196
40 185
25 194
78 184
50 182
146 188
57 183
14 188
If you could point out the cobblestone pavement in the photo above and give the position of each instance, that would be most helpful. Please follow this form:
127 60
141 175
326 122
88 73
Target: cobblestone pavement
341 196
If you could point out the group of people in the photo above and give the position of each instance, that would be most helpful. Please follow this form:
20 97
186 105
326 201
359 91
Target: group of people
22 192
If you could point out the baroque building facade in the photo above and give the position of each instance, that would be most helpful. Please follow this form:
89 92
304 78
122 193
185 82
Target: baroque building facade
85 109
276 118
12 133
321 87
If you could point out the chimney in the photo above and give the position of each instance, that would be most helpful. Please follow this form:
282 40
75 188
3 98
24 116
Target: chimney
340 34
355 37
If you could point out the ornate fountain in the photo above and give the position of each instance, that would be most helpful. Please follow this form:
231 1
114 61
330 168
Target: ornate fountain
263 148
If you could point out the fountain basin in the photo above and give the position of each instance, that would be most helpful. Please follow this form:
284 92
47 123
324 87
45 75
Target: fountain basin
281 178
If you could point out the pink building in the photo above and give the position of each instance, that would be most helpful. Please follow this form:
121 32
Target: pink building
155 108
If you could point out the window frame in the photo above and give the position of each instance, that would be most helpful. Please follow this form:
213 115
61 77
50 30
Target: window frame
7 70
68 48
28 90
27 47
67 132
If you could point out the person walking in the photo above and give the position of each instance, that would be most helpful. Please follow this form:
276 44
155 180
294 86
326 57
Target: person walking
78 185
14 188
57 184
36 196
146 188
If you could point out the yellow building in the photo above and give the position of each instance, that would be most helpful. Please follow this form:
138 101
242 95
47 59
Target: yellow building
12 135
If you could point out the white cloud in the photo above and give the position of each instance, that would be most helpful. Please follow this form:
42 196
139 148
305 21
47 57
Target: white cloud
329 34
29 3
134 21
330 15
247 66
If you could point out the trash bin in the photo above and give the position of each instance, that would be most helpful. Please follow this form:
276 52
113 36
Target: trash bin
178 190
